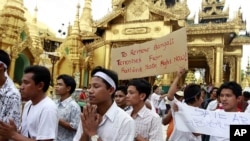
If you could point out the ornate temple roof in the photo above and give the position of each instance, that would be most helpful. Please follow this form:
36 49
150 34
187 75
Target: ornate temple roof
178 12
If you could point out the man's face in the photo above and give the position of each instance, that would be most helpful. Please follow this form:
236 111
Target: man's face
28 87
229 100
214 94
61 88
120 98
98 92
157 90
134 97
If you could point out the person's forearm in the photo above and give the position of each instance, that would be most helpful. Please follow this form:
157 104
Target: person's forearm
167 118
173 88
66 125
19 137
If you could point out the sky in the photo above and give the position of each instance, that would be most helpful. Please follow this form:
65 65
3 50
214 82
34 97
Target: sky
54 13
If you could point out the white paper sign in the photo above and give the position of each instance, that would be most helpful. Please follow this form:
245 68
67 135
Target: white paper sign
215 123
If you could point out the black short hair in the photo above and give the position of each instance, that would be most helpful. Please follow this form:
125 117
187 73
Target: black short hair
154 87
69 81
40 74
5 58
191 92
232 85
123 88
141 85
246 94
112 74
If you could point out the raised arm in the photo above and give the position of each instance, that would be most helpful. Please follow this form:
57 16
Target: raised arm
173 86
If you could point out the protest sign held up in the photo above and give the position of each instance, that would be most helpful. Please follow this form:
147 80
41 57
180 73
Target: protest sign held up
197 120
163 55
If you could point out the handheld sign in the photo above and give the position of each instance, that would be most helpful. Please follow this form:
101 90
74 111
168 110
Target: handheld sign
163 55
214 123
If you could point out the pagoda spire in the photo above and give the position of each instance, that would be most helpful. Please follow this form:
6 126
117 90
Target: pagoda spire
76 26
73 41
86 20
34 20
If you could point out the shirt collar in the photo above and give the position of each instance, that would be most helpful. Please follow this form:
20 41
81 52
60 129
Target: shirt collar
65 101
142 111
110 114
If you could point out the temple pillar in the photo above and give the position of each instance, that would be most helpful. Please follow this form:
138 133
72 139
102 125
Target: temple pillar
238 69
12 67
218 66
107 55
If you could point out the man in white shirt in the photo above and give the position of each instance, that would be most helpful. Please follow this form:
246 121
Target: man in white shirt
102 119
192 97
39 118
148 123
229 94
155 97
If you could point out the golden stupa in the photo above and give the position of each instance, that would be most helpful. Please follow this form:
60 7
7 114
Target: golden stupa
214 44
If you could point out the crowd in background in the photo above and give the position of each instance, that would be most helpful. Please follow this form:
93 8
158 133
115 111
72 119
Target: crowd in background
106 111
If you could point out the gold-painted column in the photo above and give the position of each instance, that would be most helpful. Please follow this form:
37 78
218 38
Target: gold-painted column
166 80
107 56
12 67
218 66
238 69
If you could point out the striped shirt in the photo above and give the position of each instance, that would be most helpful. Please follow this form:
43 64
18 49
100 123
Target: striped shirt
148 124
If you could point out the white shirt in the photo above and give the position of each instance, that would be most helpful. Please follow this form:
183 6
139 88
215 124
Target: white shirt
116 125
155 98
212 105
148 124
178 135
152 105
248 107
40 121
162 104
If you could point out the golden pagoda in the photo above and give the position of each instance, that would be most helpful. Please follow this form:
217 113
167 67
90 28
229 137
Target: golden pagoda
214 44
246 77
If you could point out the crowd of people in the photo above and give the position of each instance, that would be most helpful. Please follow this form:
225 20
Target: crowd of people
136 111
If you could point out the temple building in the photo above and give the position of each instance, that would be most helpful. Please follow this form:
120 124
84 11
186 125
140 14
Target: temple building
214 45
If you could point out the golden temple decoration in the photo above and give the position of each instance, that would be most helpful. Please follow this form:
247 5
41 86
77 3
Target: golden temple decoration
190 78
137 10
212 9
214 41
207 38
139 30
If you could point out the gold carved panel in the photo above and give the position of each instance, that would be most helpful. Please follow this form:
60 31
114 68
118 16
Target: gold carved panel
136 30
137 10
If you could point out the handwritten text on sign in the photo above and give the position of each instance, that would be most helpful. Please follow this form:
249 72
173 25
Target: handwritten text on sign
160 56
215 123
